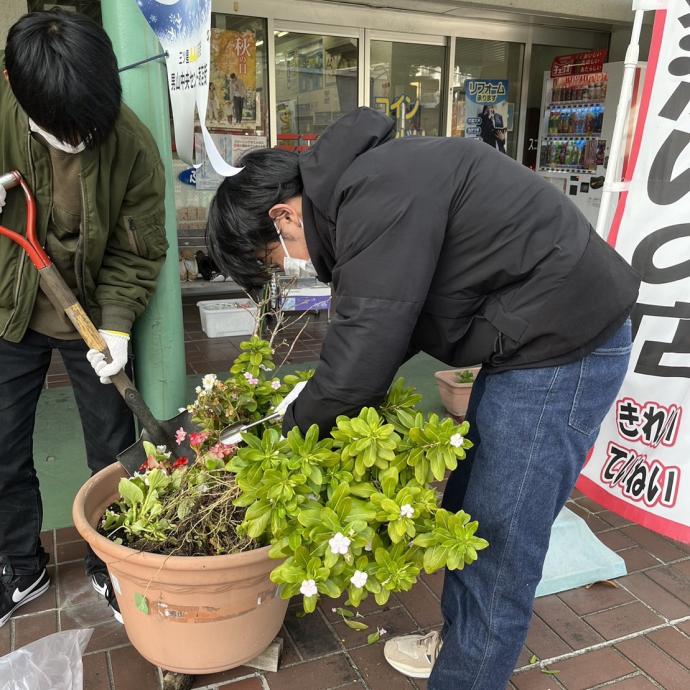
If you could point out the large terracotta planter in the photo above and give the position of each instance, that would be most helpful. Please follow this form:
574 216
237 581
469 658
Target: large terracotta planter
205 614
455 396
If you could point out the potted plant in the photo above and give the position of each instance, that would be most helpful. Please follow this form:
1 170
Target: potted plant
190 546
455 387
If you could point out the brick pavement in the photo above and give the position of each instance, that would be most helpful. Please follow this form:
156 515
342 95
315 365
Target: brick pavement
631 636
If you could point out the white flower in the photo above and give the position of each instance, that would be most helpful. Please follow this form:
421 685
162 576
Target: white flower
359 579
339 544
209 381
382 631
406 511
197 390
275 385
163 450
247 375
456 440
368 547
308 588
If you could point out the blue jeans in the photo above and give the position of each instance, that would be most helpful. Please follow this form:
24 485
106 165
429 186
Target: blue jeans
532 429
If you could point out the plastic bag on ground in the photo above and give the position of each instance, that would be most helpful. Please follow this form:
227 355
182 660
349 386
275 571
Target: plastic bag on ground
51 663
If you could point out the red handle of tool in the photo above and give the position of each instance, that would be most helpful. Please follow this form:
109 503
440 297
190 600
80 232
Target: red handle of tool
29 242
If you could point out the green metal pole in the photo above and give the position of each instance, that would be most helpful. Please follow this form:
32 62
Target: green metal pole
159 333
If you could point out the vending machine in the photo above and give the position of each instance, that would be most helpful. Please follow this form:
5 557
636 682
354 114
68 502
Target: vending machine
578 114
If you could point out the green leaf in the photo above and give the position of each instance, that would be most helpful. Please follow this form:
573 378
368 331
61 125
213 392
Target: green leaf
345 613
149 449
356 625
546 672
533 659
130 491
141 603
374 637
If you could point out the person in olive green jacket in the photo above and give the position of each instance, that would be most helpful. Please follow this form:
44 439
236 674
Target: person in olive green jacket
99 185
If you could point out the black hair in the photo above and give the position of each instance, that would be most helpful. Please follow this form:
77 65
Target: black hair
239 226
63 73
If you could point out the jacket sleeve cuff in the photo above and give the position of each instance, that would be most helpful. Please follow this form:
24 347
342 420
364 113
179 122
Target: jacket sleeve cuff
115 317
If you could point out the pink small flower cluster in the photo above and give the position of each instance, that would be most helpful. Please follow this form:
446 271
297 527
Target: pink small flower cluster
220 451
251 379
195 440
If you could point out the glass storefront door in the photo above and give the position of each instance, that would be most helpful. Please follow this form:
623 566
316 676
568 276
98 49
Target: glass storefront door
406 82
316 83
487 82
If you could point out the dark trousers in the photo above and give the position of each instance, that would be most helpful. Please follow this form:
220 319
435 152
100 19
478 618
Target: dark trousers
106 421
237 108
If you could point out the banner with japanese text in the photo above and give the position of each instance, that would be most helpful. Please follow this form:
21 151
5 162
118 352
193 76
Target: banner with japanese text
640 464
183 28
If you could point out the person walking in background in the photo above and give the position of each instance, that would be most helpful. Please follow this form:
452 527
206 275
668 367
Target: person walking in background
99 186
238 92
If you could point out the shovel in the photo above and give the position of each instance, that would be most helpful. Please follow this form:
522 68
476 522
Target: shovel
160 433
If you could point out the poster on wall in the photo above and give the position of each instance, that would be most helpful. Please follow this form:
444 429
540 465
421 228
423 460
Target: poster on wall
590 62
488 115
286 114
232 87
640 464
231 147
183 28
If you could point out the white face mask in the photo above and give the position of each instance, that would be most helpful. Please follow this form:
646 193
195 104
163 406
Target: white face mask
54 141
295 268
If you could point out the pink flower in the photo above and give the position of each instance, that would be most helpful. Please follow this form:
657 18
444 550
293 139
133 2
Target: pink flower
220 451
253 381
275 385
180 435
195 440
247 375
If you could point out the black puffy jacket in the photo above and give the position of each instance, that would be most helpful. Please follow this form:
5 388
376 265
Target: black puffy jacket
449 247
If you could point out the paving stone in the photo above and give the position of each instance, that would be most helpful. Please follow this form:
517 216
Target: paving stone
614 519
290 654
544 642
6 639
107 632
637 559
396 621
654 544
623 620
435 582
674 643
71 551
598 597
74 588
48 543
592 669
673 578
423 605
31 628
376 671
638 682
655 663
329 672
96 672
567 624
652 594
66 534
245 684
615 540
535 680
369 605
131 670
311 635
211 679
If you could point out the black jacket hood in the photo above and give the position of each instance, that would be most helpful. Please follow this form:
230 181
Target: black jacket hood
322 167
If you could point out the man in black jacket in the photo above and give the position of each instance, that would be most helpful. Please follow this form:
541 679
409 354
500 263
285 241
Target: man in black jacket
448 247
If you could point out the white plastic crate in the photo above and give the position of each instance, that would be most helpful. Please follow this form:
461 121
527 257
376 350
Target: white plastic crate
226 317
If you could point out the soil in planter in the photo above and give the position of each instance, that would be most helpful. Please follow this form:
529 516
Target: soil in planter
204 522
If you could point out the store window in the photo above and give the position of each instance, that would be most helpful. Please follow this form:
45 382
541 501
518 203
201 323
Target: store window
487 82
406 83
316 83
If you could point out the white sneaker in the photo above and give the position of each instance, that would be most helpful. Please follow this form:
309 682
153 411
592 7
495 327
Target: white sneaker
413 655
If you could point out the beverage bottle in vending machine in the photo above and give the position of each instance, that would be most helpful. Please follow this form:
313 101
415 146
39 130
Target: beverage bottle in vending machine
598 118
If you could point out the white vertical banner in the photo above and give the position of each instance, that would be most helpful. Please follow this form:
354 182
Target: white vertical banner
183 28
640 464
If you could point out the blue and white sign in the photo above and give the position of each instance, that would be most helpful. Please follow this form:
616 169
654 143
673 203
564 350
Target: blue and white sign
486 107
183 28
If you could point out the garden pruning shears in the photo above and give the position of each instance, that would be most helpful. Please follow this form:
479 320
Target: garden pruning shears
161 433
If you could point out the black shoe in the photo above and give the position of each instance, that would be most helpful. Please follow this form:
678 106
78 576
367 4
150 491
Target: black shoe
100 580
17 590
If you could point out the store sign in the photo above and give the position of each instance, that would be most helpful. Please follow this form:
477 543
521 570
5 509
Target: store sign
486 108
183 28
640 464
579 63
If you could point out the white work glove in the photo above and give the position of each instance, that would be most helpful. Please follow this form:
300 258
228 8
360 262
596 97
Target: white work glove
290 398
3 195
117 345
